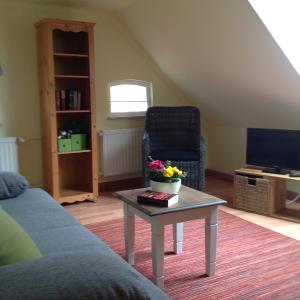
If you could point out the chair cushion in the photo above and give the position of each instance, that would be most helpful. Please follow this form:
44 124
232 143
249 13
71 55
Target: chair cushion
175 155
11 185
15 243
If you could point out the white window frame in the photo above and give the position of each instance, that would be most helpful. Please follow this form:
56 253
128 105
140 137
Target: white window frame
146 84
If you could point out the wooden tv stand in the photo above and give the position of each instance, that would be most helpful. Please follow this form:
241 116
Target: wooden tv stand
276 198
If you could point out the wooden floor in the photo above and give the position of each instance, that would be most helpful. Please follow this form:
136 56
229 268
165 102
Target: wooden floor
108 207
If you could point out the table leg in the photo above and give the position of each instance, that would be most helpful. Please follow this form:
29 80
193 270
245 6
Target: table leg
129 232
211 227
158 253
178 237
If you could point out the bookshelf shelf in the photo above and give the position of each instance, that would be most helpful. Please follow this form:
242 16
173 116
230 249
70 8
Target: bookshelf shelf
74 152
70 55
71 76
66 58
72 195
73 111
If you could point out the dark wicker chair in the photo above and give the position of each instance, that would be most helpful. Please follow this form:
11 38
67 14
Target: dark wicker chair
173 133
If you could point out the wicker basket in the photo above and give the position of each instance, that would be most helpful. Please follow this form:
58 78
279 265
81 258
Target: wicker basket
252 194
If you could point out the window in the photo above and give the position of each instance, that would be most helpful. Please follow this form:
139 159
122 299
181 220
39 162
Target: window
281 17
129 98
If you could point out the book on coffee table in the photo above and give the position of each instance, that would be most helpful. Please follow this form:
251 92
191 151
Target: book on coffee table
157 198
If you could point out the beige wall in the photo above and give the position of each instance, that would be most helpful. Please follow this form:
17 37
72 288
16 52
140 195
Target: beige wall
227 63
117 56
227 148
222 57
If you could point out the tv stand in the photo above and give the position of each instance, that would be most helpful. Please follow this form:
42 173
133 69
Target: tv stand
275 170
264 193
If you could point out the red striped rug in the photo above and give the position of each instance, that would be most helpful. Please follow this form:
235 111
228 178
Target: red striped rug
252 262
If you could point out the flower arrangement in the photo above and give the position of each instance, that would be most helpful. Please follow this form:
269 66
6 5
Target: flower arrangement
64 134
164 171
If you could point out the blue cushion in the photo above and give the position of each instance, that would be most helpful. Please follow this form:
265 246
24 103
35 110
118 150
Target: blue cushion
11 185
175 155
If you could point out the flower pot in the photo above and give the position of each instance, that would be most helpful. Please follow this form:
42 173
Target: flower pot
165 187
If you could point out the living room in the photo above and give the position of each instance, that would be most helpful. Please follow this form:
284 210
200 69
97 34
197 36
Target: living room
217 56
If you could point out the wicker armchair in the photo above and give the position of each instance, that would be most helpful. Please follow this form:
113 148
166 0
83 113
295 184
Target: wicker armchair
173 133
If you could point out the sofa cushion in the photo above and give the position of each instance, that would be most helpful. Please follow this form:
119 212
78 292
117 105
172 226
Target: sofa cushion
76 276
12 184
49 225
35 210
15 243
175 155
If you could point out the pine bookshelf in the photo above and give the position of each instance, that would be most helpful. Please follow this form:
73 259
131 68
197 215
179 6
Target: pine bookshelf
66 74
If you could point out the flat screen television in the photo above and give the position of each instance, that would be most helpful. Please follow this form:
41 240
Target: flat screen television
276 150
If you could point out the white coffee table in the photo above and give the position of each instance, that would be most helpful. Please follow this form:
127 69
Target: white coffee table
192 205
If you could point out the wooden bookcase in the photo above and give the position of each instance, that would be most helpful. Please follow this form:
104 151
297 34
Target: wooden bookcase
66 64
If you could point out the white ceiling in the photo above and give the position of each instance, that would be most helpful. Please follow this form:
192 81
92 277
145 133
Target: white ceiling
221 57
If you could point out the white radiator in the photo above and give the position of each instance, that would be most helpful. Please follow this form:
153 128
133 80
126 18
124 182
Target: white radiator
9 154
121 151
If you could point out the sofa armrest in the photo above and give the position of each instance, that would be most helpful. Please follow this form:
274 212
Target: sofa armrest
81 275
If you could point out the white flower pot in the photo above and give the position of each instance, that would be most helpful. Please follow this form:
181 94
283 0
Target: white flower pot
165 187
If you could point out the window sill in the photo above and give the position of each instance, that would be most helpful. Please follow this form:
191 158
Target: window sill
126 115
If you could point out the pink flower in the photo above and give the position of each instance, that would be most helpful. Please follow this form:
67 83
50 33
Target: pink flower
157 165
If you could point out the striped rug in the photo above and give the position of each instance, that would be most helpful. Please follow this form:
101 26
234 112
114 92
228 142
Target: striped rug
252 262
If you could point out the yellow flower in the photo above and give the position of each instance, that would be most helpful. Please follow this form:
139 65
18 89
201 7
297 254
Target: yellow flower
168 172
175 170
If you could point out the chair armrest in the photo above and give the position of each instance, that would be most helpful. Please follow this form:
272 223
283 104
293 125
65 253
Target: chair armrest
145 153
81 275
146 145
201 153
201 147
145 148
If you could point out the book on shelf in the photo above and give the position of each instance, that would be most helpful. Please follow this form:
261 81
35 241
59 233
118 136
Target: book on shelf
62 99
68 99
57 100
71 99
78 98
157 198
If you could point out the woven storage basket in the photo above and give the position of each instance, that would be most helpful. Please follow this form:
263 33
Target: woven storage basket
252 194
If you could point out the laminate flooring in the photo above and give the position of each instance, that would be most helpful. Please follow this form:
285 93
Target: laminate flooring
107 207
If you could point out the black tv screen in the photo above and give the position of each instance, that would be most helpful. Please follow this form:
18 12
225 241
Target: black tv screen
273 148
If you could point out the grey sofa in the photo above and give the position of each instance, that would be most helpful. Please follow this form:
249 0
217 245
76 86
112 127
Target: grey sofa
75 263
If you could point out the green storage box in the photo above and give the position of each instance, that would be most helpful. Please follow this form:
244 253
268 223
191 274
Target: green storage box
64 145
78 142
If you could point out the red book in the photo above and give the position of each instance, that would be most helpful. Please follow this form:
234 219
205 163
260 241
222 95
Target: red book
157 198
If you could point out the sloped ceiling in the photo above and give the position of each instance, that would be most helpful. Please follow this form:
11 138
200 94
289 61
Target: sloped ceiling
221 57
